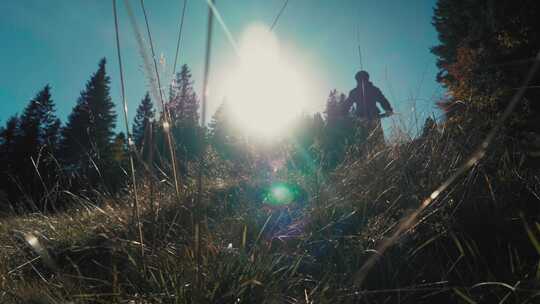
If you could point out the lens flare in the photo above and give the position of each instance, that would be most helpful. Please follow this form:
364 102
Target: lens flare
280 194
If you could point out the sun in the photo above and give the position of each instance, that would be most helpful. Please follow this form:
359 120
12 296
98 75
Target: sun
265 90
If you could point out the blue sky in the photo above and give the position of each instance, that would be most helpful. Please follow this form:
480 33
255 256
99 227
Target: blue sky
60 43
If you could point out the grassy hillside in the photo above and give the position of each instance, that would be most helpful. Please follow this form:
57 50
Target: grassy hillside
478 242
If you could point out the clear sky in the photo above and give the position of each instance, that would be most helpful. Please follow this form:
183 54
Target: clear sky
60 43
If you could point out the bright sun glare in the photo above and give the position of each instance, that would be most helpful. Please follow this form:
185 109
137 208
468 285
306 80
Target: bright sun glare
265 91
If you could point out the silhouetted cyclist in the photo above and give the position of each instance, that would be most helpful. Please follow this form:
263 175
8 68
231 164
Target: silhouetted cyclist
364 98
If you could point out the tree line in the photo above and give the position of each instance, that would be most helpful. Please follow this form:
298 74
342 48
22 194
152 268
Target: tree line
485 49
42 158
43 161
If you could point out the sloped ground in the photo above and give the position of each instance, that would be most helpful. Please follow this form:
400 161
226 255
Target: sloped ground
477 243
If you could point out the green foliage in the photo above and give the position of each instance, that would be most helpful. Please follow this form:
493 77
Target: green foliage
306 144
7 142
87 136
28 146
143 118
486 48
330 210
38 125
295 251
183 103
223 135
186 134
338 132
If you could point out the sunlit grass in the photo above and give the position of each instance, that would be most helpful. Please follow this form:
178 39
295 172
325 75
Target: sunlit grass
260 244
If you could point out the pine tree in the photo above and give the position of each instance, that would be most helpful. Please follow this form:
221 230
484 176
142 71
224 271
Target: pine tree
222 134
332 111
37 137
218 124
28 145
183 108
88 134
183 104
38 125
338 131
89 130
51 136
486 47
143 119
305 155
7 144
318 124
8 134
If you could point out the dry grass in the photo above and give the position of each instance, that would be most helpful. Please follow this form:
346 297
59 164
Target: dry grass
475 244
